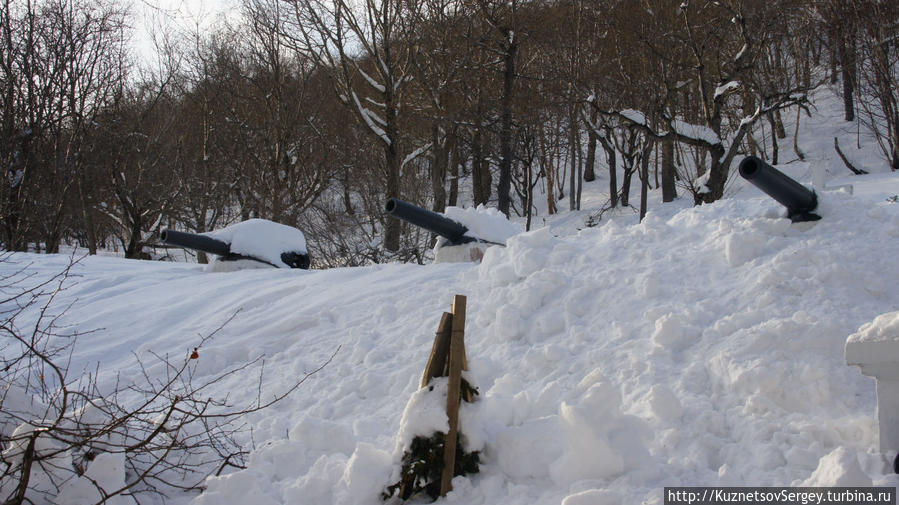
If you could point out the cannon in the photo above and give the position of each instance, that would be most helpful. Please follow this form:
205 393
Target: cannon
207 244
457 243
799 200
452 231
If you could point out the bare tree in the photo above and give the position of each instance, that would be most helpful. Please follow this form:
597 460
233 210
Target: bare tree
723 61
139 149
62 60
439 67
284 136
165 431
362 47
504 42
878 23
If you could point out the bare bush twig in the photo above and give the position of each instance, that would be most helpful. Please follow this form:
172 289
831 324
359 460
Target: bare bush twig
166 430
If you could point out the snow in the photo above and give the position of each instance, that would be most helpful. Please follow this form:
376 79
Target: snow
635 116
369 117
703 346
415 154
726 88
424 414
695 131
840 468
485 223
884 327
371 81
875 342
107 471
678 126
262 239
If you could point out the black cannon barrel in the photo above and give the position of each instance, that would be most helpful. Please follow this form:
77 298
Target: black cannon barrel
195 242
799 200
431 221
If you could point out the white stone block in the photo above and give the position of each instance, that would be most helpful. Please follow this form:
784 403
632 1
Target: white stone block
874 348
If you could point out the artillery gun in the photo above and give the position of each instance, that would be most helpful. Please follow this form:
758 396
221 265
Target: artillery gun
799 200
264 243
454 236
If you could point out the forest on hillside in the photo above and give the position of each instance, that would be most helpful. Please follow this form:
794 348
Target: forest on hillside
312 113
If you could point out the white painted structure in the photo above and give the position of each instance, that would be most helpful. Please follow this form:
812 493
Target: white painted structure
874 348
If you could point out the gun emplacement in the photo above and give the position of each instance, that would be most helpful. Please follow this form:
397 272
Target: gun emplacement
799 200
441 225
200 242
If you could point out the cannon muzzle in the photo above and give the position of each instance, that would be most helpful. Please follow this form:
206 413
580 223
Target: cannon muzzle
799 200
452 231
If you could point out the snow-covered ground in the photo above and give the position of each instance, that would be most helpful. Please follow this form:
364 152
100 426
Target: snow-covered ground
703 346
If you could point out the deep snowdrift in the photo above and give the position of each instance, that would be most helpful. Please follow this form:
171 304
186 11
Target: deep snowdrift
704 348
701 347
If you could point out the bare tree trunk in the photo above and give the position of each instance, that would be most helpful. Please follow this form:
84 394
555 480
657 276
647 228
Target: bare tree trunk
454 179
530 197
504 184
613 171
799 153
774 147
134 246
580 169
392 226
626 183
669 188
572 175
779 125
718 172
547 162
589 173
832 53
480 168
644 179
438 168
347 198
847 71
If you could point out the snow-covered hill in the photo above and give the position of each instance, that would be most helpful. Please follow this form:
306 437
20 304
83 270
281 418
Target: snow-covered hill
703 346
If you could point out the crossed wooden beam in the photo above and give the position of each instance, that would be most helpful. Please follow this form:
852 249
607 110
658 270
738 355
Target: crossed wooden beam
448 359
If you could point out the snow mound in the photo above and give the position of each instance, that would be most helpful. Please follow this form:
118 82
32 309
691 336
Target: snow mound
424 414
884 327
106 471
840 468
703 346
485 223
601 442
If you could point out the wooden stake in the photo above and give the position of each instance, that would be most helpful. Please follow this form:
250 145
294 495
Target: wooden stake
437 361
454 392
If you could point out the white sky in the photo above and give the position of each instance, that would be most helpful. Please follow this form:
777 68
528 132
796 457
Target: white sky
155 16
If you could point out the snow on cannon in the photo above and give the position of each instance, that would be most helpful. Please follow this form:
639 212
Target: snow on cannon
799 200
255 243
463 234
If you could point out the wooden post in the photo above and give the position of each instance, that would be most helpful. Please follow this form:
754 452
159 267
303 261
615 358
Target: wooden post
437 361
454 392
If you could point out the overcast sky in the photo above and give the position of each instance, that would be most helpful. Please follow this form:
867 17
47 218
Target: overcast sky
179 15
